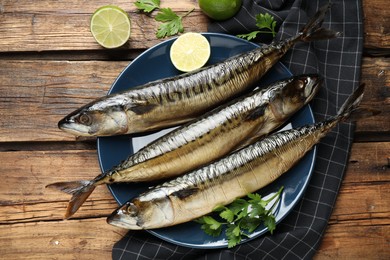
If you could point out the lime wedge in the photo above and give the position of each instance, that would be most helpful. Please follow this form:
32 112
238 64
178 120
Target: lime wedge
190 51
110 26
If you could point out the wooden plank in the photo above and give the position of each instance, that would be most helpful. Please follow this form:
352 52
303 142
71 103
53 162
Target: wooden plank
64 25
355 240
29 26
72 239
23 196
363 201
377 94
376 14
35 95
81 7
368 163
359 226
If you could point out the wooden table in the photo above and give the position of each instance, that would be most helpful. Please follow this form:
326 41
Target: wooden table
50 65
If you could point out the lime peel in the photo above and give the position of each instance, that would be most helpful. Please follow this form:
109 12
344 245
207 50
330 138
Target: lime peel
220 9
110 26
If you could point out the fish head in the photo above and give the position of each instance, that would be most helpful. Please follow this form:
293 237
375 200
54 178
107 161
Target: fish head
125 216
298 91
98 118
138 214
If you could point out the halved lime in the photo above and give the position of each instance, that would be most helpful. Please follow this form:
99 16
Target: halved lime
190 51
110 26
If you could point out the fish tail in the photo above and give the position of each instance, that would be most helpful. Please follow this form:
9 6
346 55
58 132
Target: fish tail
313 30
352 103
351 111
80 191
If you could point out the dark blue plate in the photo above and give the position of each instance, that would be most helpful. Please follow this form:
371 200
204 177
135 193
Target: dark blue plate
155 64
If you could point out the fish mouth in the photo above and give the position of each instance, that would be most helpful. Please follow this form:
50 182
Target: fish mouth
318 81
63 123
70 126
312 86
120 218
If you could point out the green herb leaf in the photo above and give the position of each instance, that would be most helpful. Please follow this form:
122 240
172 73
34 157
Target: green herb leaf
166 15
210 226
147 5
248 36
233 235
250 224
214 224
211 232
238 205
219 208
270 223
254 197
266 21
242 215
227 214
171 23
263 21
257 210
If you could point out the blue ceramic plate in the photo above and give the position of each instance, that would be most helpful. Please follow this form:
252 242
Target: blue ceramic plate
155 64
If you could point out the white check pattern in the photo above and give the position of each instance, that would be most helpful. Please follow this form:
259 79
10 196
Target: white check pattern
338 61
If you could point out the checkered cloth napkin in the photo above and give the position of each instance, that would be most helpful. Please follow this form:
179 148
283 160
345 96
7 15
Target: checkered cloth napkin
338 61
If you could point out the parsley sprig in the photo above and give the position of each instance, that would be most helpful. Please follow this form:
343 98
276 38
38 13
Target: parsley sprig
240 218
147 6
171 23
263 21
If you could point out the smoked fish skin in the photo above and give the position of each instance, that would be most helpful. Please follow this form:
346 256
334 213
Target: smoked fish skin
207 138
200 191
176 100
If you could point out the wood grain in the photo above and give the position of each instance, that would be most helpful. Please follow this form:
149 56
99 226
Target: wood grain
376 76
24 198
359 227
35 95
376 14
71 239
355 240
39 27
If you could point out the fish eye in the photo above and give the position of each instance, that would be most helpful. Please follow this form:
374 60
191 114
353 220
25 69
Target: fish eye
85 119
304 82
132 210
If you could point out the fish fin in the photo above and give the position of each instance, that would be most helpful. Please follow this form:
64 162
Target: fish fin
351 104
182 194
80 191
141 109
363 112
313 30
351 111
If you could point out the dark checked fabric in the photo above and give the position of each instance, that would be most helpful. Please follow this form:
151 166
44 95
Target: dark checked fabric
338 61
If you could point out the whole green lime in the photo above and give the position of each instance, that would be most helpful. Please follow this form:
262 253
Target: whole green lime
220 9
